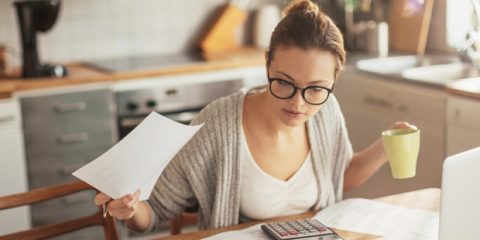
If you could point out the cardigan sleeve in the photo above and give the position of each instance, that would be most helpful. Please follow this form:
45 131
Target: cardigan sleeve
342 151
173 191
175 188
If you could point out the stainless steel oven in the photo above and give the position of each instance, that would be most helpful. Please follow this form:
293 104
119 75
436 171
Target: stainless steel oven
179 98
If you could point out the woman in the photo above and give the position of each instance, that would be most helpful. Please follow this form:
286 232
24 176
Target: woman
277 150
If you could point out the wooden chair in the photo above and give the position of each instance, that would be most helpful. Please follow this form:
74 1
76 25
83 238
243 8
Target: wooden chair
184 219
51 230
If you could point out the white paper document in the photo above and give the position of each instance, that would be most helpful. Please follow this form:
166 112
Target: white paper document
137 160
381 219
254 232
408 235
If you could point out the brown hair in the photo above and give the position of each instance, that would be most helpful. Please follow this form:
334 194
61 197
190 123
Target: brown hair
307 27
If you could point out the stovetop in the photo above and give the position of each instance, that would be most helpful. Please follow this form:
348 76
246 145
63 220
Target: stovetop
137 63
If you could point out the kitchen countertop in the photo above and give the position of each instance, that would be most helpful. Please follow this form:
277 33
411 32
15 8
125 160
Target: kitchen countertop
394 76
469 87
397 77
81 73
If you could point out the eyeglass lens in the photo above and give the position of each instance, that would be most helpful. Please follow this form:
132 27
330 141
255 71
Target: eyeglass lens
284 89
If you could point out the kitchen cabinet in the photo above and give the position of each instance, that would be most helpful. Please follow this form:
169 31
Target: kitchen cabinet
463 129
13 173
372 104
65 128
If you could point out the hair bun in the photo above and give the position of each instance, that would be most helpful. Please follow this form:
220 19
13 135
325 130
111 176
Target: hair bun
301 6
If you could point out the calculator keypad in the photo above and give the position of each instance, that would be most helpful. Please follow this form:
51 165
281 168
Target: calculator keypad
299 229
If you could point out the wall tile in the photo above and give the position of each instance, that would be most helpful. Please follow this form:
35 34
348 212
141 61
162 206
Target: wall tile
100 29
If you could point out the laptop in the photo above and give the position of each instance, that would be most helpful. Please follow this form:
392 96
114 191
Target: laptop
460 204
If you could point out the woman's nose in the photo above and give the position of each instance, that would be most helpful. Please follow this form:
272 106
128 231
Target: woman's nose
297 98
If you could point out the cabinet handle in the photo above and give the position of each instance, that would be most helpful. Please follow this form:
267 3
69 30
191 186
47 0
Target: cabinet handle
70 107
371 100
72 138
385 104
378 102
457 114
6 119
403 108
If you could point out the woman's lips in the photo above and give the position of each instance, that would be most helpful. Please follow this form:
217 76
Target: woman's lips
292 113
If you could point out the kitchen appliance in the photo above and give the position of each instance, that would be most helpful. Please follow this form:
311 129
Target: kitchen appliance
37 16
377 38
145 63
178 97
266 20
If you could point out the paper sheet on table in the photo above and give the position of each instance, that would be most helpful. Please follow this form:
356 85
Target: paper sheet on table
377 218
254 232
137 160
407 235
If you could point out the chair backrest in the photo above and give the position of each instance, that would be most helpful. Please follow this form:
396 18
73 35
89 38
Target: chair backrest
52 230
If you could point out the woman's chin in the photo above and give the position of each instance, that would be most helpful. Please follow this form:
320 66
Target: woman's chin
293 122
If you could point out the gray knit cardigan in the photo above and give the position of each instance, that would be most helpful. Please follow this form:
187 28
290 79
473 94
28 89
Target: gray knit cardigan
207 171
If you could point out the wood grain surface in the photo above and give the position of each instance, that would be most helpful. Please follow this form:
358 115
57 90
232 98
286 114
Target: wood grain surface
409 21
81 73
426 199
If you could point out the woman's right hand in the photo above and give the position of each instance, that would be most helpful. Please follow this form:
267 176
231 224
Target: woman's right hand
122 208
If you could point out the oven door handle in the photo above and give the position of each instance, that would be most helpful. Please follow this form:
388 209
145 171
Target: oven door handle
183 117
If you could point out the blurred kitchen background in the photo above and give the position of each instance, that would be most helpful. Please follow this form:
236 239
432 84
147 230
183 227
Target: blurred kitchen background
89 29
103 65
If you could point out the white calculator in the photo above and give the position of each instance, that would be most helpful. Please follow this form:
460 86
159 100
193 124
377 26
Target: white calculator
300 229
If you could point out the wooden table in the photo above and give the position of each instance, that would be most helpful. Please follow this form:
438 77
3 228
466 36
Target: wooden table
426 199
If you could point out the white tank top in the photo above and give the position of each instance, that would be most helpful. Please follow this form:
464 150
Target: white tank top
264 196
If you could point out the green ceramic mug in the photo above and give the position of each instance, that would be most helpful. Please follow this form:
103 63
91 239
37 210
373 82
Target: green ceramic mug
402 147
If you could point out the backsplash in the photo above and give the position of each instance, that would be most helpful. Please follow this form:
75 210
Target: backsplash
101 29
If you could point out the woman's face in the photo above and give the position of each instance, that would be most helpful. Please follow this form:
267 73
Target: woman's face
302 68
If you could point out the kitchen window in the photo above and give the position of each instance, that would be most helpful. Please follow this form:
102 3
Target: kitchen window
460 21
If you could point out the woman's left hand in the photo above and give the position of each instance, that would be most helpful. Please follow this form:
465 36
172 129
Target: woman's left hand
403 124
365 163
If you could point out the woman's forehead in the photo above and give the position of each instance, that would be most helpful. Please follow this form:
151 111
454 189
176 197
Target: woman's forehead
304 64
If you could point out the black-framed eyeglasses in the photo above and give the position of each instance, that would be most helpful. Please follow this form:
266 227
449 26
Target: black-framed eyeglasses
283 89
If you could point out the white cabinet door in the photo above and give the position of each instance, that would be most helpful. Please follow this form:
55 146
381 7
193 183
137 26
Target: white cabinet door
366 107
371 105
461 139
13 177
364 126
463 128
